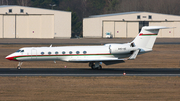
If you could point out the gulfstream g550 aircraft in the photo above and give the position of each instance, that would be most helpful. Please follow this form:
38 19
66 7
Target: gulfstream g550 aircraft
94 55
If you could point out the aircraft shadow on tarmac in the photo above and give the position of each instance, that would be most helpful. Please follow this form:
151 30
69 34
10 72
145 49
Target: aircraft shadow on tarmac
90 71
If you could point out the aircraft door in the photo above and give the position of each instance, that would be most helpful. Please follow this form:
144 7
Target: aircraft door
33 54
110 49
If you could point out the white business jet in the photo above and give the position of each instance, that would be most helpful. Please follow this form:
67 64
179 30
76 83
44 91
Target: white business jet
94 55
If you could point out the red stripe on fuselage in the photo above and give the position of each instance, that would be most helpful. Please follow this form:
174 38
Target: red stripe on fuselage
12 58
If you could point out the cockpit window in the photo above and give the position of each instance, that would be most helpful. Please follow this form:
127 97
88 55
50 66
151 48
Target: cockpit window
18 51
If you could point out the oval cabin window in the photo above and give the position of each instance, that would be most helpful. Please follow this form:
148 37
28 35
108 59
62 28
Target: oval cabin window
42 53
49 53
63 52
84 52
56 53
70 52
77 52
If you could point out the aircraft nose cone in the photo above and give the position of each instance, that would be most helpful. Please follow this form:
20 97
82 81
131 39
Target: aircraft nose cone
9 58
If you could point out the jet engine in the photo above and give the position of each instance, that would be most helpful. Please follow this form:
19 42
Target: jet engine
121 48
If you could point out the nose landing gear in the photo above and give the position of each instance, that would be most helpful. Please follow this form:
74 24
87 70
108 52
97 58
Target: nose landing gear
19 65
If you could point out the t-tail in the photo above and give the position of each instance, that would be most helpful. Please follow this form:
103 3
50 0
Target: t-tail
146 38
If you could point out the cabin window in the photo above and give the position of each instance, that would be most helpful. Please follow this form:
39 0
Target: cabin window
22 50
63 52
42 53
49 53
56 53
77 52
70 52
84 52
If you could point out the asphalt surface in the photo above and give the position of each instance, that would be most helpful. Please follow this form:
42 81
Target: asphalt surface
87 72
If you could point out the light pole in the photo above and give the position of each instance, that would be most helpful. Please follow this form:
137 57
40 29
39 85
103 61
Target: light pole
52 5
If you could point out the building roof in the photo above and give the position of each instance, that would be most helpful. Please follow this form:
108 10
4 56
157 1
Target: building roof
124 13
4 6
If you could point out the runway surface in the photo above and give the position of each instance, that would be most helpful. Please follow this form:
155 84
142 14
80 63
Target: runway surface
87 72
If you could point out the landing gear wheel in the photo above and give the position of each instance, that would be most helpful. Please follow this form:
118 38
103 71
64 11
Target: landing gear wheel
93 67
100 67
18 67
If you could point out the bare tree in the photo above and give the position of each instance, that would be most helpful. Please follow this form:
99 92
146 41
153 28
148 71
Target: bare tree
23 2
4 2
84 7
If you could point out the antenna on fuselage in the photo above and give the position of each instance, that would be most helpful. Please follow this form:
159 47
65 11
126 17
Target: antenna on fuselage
50 45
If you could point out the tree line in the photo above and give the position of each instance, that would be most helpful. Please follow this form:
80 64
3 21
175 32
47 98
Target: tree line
84 8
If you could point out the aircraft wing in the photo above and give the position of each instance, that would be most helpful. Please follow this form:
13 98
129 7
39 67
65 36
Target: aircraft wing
95 59
106 61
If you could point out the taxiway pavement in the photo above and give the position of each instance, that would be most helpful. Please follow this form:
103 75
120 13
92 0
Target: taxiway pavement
86 72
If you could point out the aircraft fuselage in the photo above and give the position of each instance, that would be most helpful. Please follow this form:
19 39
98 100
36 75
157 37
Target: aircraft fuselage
72 53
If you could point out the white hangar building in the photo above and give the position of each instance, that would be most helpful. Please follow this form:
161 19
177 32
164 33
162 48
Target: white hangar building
29 22
128 24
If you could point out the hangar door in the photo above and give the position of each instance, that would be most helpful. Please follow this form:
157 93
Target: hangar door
120 29
28 26
108 27
1 26
9 26
117 28
35 26
132 29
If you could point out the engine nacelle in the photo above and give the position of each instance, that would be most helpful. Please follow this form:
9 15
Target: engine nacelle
121 48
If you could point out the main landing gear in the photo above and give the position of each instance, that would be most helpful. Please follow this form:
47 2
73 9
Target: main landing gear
19 65
95 65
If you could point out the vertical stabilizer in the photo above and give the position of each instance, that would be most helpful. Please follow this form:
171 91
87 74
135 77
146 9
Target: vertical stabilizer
147 37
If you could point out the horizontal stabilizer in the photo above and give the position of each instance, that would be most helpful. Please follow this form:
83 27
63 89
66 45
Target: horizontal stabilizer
134 55
156 27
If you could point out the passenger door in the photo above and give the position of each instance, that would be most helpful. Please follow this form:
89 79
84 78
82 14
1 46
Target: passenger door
33 54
